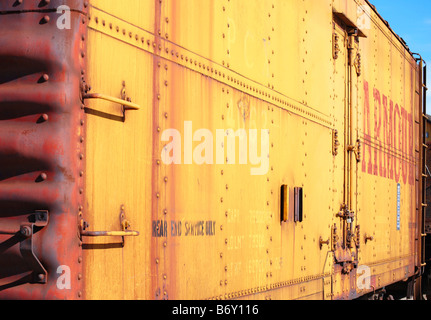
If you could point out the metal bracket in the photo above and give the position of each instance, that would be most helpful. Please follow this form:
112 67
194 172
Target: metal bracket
335 46
124 223
356 149
358 64
346 214
38 220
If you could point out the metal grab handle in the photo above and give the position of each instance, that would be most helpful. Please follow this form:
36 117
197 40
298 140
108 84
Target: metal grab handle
123 233
127 104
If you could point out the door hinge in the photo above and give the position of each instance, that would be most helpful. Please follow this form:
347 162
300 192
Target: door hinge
335 142
358 64
335 45
334 236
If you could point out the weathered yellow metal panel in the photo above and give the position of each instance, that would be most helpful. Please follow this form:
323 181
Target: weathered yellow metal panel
117 166
205 73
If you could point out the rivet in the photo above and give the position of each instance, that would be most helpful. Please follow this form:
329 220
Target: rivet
43 176
46 19
79 259
45 77
45 117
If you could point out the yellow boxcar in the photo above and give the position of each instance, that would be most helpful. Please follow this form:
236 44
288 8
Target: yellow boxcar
219 149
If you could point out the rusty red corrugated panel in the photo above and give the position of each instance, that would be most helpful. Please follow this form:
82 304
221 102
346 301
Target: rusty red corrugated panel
42 59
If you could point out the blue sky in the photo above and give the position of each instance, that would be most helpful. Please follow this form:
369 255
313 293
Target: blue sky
411 20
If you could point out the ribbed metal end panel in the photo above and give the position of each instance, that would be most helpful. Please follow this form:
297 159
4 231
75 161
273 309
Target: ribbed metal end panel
42 60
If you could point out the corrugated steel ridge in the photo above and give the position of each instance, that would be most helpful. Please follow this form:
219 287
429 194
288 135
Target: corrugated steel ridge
41 146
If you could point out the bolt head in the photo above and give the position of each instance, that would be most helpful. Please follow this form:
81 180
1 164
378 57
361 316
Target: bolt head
25 231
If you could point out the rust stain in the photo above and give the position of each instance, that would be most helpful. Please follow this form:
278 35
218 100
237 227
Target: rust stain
68 175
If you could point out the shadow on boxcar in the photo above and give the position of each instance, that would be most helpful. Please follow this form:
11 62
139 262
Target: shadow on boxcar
14 68
14 270
15 165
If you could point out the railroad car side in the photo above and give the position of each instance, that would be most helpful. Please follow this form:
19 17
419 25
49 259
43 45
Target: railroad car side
223 150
